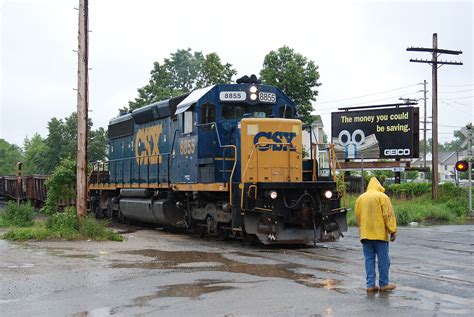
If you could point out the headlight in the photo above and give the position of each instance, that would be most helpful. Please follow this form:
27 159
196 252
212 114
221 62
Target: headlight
253 97
271 194
253 89
328 194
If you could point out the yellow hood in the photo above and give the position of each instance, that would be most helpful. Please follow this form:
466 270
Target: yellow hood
374 213
374 184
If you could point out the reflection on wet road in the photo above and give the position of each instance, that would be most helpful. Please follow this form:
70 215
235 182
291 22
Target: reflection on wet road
160 273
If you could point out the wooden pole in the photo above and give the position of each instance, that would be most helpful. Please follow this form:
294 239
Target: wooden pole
82 109
434 113
425 141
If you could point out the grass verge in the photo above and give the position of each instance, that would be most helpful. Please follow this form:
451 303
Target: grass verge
62 226
451 207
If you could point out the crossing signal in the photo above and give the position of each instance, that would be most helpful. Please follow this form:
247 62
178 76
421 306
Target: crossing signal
461 166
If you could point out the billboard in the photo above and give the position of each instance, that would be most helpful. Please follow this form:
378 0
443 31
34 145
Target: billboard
373 134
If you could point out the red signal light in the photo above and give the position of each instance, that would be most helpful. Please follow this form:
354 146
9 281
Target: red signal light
461 166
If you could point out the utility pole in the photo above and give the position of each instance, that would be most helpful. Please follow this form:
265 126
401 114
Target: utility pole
424 124
82 109
469 165
435 51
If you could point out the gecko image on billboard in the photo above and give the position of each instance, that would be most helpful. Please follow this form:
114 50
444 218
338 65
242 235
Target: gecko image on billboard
373 134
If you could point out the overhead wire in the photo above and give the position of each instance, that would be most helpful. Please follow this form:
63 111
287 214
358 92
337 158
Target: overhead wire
367 95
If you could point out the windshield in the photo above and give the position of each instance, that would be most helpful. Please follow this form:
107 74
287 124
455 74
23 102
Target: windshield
236 111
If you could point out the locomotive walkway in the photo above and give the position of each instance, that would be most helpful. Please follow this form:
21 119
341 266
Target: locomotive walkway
154 272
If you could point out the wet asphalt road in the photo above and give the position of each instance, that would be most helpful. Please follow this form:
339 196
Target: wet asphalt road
154 272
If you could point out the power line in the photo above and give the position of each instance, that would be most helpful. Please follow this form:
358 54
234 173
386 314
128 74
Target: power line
371 101
464 85
377 93
450 103
451 126
453 92
466 97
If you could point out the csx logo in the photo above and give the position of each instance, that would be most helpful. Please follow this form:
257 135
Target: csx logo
146 145
277 141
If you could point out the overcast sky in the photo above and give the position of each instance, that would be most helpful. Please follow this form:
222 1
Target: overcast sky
360 47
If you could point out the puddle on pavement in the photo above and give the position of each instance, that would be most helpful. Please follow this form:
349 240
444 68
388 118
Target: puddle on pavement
78 256
185 290
189 260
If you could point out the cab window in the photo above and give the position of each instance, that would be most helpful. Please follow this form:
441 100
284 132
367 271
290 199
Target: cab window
187 122
208 114
285 112
237 111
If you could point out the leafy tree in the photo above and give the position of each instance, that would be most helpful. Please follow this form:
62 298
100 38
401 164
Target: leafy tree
295 75
61 142
34 158
411 175
456 144
451 146
182 72
10 155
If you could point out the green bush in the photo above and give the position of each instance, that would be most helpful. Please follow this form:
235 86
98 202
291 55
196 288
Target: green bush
30 233
61 186
96 230
408 190
22 216
65 223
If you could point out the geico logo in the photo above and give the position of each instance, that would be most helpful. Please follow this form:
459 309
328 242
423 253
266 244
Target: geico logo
275 137
396 152
186 147
146 145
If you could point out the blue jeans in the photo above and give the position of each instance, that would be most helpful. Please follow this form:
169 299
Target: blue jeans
377 248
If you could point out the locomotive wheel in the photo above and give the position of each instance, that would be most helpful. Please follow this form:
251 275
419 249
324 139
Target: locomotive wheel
122 218
222 234
200 230
249 239
110 213
98 212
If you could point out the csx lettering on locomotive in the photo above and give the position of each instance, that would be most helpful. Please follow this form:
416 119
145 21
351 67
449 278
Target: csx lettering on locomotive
146 145
283 140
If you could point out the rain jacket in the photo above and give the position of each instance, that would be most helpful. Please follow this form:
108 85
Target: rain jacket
374 213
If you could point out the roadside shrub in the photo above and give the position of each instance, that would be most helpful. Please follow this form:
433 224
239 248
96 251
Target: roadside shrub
30 233
408 190
61 185
96 230
64 223
22 216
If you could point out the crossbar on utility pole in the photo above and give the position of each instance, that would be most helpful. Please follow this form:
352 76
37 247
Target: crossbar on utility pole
82 109
435 51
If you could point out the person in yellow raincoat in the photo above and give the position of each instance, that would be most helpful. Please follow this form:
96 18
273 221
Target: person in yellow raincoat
377 224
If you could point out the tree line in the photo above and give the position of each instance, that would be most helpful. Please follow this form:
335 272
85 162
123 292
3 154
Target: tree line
184 71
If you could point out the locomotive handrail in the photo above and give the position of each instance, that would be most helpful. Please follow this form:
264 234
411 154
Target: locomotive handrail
214 125
258 144
334 165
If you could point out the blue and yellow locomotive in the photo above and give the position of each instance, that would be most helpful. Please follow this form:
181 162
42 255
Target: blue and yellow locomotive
224 160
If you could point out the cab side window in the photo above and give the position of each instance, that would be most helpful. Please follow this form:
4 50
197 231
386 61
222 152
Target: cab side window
208 114
187 122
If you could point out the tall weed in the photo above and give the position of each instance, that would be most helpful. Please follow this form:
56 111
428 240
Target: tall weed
22 216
